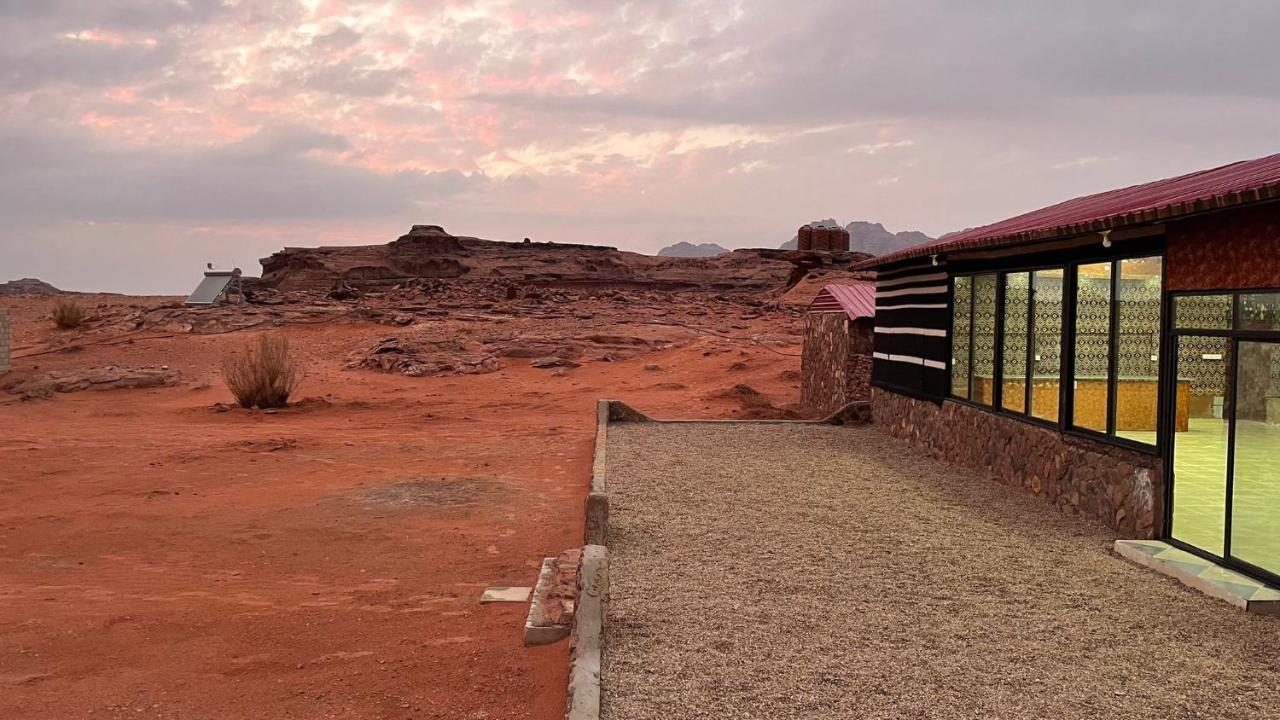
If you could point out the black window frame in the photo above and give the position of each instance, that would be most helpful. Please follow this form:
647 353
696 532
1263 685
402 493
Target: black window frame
1169 388
1067 411
1068 261
997 380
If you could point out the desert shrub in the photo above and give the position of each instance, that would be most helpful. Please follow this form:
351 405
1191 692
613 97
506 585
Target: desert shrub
69 314
263 375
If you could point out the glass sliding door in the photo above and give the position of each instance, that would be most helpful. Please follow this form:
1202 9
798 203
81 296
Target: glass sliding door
1225 453
1255 481
1200 447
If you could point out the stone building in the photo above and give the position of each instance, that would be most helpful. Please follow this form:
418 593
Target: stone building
1117 354
836 365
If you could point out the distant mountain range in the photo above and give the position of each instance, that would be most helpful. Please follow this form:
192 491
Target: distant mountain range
864 236
684 249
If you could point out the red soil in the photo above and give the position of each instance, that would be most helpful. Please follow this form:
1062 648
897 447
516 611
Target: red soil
162 559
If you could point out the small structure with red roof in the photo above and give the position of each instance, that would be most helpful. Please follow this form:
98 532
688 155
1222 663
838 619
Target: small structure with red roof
836 365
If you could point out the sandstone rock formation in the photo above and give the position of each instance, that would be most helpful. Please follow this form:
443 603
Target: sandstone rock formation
33 387
427 252
28 286
868 237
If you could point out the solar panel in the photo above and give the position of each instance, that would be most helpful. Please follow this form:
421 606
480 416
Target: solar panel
211 288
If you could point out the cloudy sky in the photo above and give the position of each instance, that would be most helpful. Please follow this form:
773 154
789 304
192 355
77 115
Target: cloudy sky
140 139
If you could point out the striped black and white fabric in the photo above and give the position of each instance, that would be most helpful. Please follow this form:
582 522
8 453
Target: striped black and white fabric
912 317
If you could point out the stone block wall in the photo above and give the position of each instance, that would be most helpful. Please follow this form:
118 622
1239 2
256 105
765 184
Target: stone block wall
4 341
1120 488
835 368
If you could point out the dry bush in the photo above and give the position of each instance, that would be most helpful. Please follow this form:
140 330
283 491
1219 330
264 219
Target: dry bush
263 375
69 314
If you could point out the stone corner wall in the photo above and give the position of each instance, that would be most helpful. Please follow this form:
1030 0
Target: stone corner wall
1120 488
835 366
4 341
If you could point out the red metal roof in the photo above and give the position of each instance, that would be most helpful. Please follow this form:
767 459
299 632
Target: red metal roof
857 300
1240 183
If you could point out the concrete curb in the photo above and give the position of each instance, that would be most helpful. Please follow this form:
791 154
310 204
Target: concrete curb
855 413
537 631
607 411
1218 582
597 530
586 644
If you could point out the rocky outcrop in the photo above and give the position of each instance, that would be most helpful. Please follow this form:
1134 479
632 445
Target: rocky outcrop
33 387
428 252
867 237
28 286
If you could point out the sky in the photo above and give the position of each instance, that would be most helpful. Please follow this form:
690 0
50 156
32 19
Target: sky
140 139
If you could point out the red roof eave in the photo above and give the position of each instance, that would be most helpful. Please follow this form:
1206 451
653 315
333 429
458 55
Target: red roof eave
1237 184
858 300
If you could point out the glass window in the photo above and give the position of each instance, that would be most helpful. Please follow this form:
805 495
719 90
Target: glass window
984 338
1255 494
1017 304
1260 311
961 324
1202 419
1047 360
1202 312
1091 380
1138 349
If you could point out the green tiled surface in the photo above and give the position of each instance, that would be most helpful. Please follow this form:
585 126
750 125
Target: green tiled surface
1192 566
1200 470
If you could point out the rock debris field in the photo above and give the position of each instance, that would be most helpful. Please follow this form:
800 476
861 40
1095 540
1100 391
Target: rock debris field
791 571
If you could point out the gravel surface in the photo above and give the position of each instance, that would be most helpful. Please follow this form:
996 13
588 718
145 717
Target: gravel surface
784 571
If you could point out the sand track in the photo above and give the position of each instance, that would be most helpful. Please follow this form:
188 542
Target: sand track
160 558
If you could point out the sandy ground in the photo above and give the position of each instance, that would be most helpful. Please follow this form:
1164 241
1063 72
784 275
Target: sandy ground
765 571
160 558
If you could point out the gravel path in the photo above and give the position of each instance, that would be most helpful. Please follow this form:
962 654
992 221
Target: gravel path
774 571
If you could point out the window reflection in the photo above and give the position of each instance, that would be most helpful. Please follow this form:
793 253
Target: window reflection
1202 312
1017 303
961 325
1047 287
1138 349
984 338
1091 380
1260 311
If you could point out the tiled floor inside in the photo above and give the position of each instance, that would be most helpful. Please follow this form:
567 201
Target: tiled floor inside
1200 471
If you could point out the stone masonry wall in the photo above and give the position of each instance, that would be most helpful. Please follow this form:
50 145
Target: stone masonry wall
1122 489
4 341
823 363
835 367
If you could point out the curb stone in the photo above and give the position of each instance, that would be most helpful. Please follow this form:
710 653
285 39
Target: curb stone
585 654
